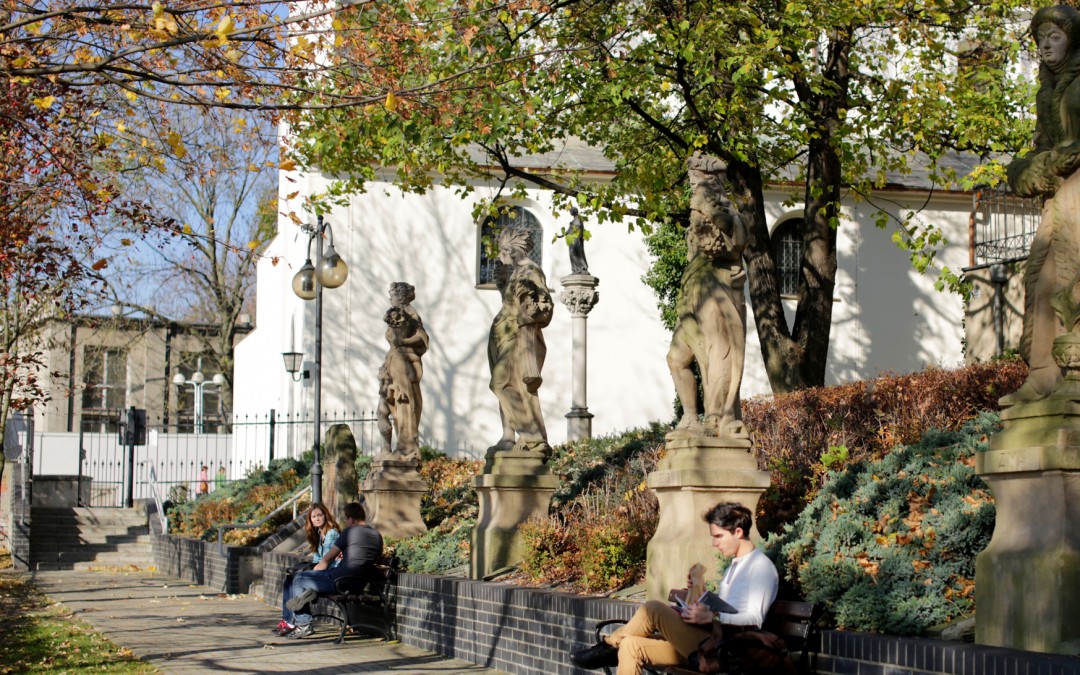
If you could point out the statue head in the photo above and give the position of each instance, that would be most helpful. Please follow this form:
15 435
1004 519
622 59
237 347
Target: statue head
1056 31
401 293
514 244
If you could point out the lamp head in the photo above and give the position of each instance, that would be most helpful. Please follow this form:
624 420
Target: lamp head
219 379
197 377
303 284
179 379
332 269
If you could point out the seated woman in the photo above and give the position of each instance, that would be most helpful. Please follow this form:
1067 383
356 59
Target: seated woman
322 533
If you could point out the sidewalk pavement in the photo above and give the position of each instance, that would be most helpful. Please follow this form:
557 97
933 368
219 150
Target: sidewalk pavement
186 628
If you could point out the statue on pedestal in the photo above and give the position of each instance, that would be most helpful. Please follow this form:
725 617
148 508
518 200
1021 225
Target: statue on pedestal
1052 275
516 348
400 373
711 307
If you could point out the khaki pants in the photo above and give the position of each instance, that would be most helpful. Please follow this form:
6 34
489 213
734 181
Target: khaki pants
637 648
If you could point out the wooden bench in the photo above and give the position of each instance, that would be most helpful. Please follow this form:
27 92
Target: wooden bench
364 603
793 620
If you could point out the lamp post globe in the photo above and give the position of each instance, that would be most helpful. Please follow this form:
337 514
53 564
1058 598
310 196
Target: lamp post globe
332 270
303 283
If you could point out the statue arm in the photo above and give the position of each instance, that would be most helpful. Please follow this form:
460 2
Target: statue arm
1035 174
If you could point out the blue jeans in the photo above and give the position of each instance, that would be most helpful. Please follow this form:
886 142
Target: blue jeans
322 581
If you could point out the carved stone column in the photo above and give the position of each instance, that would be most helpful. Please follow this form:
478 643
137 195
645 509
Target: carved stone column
393 491
697 473
1028 578
579 296
515 487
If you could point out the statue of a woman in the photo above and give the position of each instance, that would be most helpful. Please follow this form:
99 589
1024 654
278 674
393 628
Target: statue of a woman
516 348
711 307
1050 171
399 376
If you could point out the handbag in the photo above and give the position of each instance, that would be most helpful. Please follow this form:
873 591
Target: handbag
750 652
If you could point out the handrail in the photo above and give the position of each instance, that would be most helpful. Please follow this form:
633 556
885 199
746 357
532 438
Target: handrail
247 526
156 489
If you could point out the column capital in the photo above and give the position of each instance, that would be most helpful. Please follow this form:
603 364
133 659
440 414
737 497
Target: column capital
579 294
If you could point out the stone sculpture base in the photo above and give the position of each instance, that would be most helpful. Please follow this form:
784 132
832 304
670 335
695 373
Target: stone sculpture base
392 493
517 487
1027 581
696 474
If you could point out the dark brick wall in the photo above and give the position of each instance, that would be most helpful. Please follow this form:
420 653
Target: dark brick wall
845 653
529 631
201 561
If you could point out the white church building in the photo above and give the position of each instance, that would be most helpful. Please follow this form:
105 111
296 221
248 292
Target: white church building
887 316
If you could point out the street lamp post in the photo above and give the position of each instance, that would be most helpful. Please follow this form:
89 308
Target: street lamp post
330 271
198 382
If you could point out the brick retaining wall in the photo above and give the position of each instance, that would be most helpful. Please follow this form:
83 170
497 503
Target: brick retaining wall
528 631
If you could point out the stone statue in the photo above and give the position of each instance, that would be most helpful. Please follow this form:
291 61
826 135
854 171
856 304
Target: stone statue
1049 170
516 348
711 328
576 236
400 373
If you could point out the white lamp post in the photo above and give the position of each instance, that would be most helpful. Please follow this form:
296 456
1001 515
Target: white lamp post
330 271
198 382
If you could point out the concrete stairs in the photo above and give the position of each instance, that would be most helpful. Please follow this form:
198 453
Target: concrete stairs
82 538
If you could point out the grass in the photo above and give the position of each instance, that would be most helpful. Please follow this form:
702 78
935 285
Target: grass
38 635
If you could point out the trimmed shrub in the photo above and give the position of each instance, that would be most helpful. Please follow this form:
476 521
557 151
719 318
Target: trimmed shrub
889 545
801 436
439 549
249 499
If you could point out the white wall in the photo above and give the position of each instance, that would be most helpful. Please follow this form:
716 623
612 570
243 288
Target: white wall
887 317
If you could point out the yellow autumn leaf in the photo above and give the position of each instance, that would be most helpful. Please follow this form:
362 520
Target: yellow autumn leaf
100 265
121 127
224 27
132 96
253 244
253 167
222 93
125 242
292 195
391 101
287 165
293 217
45 102
186 229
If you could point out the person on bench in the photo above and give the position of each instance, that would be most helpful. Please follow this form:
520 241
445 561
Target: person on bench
360 546
322 532
749 585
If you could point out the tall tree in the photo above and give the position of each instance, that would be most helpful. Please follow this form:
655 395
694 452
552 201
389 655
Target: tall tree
217 183
53 199
835 95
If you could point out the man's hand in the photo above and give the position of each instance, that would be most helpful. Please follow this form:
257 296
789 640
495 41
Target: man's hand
321 565
697 613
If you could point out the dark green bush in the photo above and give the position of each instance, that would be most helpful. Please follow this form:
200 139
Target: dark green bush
889 545
439 549
799 437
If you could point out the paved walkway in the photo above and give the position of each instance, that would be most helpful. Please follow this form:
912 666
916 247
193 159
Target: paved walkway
186 628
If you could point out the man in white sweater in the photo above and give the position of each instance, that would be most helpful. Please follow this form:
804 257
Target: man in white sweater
749 586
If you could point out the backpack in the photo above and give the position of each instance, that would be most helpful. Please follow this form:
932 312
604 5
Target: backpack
751 652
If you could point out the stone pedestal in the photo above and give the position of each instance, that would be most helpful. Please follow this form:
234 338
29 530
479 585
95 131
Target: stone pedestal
697 473
392 493
580 297
515 487
1028 578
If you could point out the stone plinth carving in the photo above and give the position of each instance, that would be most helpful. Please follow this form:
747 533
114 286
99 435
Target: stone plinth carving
1027 579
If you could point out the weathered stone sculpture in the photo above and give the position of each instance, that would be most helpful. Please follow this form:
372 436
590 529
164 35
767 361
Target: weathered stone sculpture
1027 579
399 377
711 307
516 348
1051 307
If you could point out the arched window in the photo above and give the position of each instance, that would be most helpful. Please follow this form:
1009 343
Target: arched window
489 231
787 243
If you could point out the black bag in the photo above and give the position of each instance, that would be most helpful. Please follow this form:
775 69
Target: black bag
750 652
290 572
